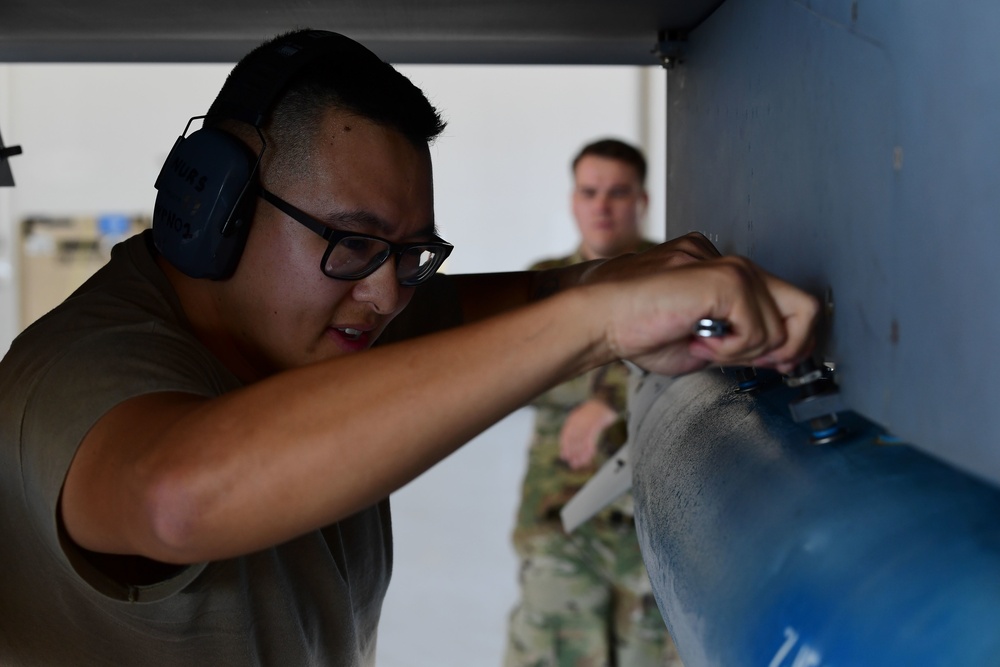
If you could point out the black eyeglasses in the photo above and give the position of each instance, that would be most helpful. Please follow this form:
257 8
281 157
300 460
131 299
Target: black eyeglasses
351 256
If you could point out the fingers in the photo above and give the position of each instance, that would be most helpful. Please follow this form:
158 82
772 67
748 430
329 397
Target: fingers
799 312
692 247
688 249
696 245
772 321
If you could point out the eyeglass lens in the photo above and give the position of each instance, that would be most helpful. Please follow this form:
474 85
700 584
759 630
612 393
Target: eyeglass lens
356 256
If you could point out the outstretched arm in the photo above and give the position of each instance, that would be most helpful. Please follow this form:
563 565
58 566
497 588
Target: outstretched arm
482 295
183 479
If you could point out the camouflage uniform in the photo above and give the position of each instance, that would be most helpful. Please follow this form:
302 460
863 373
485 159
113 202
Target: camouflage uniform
586 600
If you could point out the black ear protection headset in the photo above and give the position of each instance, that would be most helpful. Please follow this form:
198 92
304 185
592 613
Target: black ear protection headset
206 189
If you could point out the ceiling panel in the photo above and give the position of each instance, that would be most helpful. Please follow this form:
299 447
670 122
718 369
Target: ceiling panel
404 31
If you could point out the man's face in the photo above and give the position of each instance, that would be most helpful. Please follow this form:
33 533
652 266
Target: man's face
279 307
608 201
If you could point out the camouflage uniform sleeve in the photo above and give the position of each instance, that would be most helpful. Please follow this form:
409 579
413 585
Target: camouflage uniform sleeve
609 383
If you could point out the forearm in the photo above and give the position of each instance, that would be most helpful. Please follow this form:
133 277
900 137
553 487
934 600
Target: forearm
450 300
484 294
311 446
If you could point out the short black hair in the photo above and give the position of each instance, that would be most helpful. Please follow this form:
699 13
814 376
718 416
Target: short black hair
342 74
615 149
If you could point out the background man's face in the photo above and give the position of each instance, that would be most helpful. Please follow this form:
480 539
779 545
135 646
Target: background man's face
608 201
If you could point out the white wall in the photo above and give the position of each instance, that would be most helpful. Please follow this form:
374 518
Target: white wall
94 137
8 285
502 166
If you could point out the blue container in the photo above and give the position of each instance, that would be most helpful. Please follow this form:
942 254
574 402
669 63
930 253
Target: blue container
766 550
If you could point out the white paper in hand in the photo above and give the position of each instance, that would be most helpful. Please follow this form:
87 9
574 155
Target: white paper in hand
607 485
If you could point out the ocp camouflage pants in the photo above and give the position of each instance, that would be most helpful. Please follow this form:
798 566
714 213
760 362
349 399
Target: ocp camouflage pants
586 601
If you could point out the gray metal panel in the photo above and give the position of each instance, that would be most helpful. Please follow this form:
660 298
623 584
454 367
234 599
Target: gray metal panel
402 31
855 145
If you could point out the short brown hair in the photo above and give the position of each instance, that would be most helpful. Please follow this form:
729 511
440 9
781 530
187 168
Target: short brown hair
615 149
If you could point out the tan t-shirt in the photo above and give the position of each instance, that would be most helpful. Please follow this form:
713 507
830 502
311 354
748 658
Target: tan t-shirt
312 601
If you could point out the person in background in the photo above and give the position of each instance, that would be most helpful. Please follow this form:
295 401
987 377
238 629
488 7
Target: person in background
197 447
585 597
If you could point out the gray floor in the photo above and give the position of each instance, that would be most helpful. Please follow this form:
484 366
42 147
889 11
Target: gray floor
455 574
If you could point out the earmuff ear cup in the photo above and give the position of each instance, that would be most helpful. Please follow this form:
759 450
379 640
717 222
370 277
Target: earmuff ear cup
204 203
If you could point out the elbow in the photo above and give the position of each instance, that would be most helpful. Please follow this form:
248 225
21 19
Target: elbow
175 513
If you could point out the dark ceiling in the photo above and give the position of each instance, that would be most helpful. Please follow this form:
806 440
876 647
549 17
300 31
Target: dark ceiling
614 32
